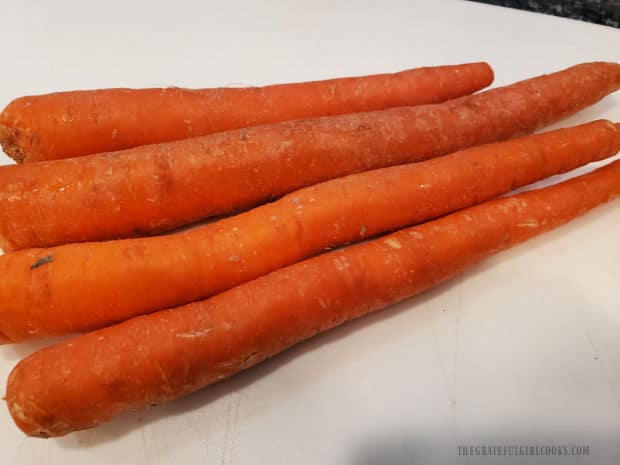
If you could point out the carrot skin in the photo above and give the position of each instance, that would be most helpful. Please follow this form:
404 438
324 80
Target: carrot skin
156 188
169 354
70 124
79 287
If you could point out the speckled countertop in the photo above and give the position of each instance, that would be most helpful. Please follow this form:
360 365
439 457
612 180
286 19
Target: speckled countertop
605 12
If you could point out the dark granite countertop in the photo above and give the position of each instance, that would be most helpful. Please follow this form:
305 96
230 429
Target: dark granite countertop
606 12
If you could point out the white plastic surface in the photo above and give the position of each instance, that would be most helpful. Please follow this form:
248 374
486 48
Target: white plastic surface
524 348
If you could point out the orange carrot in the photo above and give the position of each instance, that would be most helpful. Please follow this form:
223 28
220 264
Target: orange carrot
156 188
77 287
85 381
69 124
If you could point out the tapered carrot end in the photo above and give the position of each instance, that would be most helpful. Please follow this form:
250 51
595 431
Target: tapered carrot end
481 73
614 71
490 74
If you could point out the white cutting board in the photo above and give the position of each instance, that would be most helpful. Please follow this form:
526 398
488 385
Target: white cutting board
524 348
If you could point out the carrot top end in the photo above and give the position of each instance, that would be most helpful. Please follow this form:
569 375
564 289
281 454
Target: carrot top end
9 140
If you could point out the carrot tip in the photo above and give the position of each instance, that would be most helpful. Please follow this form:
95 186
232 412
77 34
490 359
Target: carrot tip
491 72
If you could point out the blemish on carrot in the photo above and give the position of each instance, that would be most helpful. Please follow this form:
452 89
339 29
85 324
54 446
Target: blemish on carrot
192 334
393 243
341 263
250 356
14 198
42 261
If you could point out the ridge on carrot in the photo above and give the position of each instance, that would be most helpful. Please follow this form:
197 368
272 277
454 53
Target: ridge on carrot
70 124
78 287
169 354
156 188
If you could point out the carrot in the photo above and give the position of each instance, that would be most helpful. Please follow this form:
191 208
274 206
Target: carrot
87 380
78 287
69 124
156 188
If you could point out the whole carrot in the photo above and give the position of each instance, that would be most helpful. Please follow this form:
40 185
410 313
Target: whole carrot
69 124
78 287
85 381
159 187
